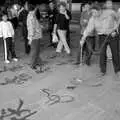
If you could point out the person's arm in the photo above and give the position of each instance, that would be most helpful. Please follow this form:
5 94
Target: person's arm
116 19
30 27
90 27
66 15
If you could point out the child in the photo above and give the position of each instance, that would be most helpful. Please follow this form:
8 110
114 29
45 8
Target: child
7 33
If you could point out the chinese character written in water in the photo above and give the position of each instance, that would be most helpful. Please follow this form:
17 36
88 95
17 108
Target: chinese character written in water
16 114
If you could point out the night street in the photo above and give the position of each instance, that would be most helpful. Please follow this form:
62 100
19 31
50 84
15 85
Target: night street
62 91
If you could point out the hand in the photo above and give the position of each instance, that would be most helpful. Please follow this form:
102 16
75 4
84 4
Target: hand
82 43
65 12
85 21
113 34
29 42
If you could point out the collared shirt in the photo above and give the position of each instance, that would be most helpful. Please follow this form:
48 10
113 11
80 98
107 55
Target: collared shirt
34 27
6 29
104 24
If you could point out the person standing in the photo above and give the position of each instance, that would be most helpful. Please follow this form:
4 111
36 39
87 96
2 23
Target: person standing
106 28
60 27
7 33
22 17
34 28
52 12
89 45
108 11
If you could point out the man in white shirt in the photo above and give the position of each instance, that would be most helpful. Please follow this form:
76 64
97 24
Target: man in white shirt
105 26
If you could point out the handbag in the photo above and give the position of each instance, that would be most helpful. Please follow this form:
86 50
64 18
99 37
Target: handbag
54 38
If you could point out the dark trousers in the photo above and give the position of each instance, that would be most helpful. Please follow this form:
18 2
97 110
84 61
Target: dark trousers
87 47
9 47
36 60
25 33
68 37
113 42
14 22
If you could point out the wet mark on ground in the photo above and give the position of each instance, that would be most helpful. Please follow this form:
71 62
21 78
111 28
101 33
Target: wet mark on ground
42 70
76 82
20 79
12 69
55 98
16 114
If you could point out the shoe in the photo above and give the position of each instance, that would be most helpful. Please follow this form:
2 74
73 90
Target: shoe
7 61
88 63
102 74
34 67
57 54
15 59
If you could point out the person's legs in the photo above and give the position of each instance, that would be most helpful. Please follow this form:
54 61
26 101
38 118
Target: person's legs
90 41
114 45
6 50
12 48
103 56
36 60
78 51
62 35
60 43
25 33
68 37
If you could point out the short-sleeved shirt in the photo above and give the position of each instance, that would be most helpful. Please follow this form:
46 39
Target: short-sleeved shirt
62 22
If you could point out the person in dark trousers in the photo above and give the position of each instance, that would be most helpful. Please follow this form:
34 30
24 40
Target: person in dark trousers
34 36
7 34
52 12
90 40
106 24
68 29
22 16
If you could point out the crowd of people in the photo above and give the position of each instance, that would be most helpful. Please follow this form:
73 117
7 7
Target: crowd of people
98 22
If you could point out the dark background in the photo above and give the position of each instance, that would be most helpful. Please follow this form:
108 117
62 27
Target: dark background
45 1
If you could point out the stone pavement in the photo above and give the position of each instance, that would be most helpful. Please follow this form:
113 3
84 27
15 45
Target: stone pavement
55 94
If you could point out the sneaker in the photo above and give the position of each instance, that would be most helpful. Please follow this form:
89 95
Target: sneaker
7 61
88 62
15 59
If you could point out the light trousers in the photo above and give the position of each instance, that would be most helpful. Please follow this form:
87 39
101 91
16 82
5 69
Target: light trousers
63 42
